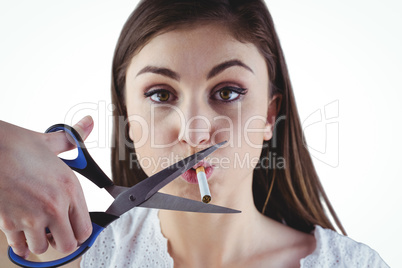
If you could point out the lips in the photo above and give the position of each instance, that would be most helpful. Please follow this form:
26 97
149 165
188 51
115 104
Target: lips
202 163
191 176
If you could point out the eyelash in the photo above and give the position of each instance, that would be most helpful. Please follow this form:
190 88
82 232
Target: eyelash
152 92
237 90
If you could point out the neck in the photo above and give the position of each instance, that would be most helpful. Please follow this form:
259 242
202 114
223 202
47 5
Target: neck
201 239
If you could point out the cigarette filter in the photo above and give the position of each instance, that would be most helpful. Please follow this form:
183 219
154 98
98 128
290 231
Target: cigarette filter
203 184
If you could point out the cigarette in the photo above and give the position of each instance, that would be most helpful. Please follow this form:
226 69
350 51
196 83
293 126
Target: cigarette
203 184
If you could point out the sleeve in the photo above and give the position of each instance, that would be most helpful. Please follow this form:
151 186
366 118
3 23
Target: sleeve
367 257
335 250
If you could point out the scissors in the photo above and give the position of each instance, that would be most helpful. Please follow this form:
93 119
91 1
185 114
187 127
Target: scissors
143 194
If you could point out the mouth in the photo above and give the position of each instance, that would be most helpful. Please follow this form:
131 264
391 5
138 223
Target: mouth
191 175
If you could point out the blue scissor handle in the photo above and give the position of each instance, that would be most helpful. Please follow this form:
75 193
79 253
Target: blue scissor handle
99 222
80 162
83 164
96 230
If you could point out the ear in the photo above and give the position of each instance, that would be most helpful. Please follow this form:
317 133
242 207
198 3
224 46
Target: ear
274 106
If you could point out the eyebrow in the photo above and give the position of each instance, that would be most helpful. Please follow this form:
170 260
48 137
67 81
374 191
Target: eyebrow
214 71
227 64
160 70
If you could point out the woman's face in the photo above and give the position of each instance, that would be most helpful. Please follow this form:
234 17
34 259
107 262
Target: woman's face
191 88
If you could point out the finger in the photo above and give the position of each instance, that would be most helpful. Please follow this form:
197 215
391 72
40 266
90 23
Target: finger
59 142
63 239
17 241
80 220
84 126
37 240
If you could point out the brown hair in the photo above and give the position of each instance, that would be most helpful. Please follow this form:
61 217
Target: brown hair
294 191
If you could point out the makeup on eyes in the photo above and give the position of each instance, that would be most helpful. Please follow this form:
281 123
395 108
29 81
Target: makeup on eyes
203 184
224 94
158 94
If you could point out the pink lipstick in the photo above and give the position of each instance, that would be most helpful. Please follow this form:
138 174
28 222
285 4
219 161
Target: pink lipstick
191 175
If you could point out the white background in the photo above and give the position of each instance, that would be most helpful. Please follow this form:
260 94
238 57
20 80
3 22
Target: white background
55 62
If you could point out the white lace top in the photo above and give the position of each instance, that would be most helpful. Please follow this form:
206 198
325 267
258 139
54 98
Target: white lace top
136 240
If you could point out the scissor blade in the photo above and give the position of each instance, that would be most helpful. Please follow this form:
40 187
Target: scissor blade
171 202
115 190
143 190
160 179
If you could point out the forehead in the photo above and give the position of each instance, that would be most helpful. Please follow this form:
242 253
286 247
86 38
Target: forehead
194 50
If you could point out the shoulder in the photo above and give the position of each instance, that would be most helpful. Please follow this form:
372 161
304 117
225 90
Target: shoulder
130 241
336 250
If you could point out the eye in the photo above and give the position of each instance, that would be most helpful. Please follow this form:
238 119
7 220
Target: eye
229 93
159 95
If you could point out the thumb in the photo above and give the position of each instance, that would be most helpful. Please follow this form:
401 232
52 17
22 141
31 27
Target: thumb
84 127
59 142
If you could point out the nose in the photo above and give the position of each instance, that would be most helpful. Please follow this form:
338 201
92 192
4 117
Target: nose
196 131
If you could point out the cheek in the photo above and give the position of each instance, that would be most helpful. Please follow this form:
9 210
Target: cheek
253 129
153 126
139 131
244 130
165 125
245 125
154 130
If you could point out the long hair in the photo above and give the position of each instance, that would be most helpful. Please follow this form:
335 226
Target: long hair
295 194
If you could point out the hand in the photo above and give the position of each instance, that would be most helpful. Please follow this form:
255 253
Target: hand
39 191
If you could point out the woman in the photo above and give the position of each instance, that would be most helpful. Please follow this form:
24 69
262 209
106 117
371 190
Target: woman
198 73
